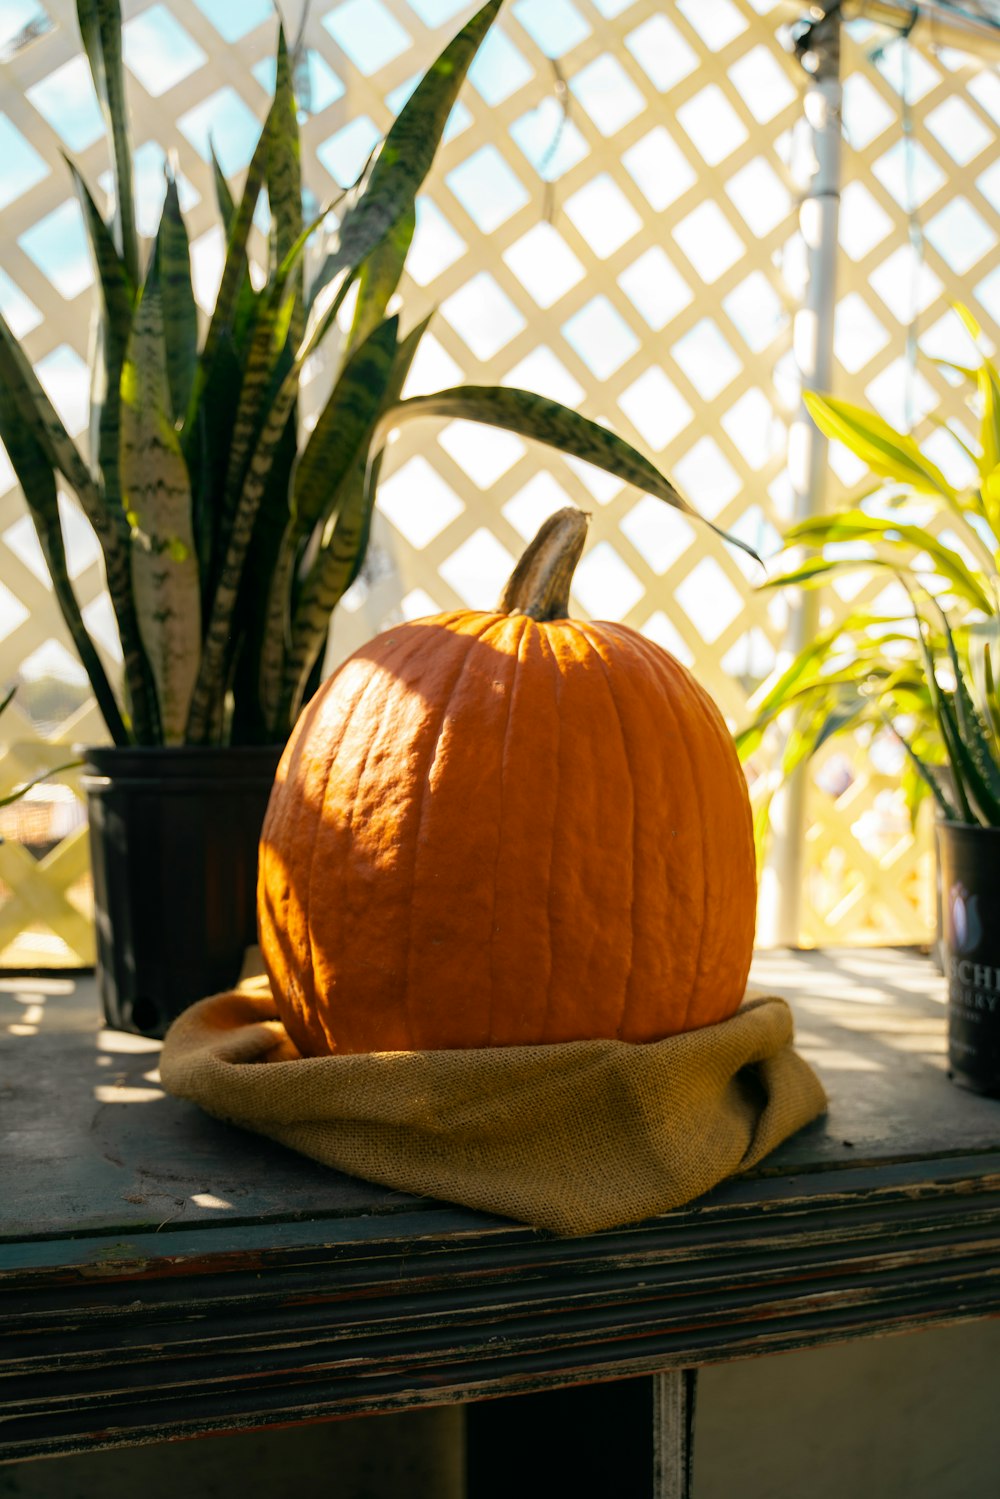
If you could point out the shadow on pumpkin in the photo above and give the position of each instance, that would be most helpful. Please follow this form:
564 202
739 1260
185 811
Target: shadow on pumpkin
488 831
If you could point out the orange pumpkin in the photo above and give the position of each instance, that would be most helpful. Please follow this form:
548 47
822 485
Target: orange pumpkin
507 828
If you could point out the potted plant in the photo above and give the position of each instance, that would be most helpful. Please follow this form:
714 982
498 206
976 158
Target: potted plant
228 535
927 674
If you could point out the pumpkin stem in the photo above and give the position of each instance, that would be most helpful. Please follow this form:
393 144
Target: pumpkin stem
540 583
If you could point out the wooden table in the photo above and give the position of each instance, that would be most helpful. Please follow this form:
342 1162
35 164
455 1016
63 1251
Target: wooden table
167 1275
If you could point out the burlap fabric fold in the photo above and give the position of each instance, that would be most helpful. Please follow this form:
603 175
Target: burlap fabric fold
572 1138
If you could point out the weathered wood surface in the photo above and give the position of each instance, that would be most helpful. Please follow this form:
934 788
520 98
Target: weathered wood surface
164 1274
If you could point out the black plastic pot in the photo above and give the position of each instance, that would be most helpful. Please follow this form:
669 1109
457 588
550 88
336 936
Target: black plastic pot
173 839
970 902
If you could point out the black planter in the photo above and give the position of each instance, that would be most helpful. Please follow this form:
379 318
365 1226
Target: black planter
969 860
173 839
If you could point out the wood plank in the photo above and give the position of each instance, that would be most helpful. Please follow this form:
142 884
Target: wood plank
94 1143
673 1434
163 1275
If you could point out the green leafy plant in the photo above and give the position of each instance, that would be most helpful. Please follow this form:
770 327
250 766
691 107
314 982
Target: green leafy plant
227 539
928 671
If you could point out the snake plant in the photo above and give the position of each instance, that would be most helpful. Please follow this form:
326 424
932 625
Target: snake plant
228 536
928 672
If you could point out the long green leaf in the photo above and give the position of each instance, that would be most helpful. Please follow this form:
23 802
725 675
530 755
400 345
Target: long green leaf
265 366
284 178
206 444
26 786
973 734
342 552
991 695
269 334
216 649
407 152
818 570
109 339
927 776
248 724
379 277
156 491
975 790
339 439
946 726
223 197
37 411
857 525
117 286
536 417
180 311
218 635
101 29
983 649
859 673
885 450
989 430
234 270
343 426
833 713
37 480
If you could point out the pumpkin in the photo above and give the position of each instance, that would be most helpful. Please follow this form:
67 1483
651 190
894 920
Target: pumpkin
506 828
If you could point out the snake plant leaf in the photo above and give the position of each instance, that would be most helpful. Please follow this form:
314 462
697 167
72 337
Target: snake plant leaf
109 339
234 270
223 197
180 311
343 426
945 721
983 648
265 365
911 541
249 725
339 439
156 492
924 772
976 793
379 278
40 415
983 772
37 412
117 286
407 152
205 442
536 417
254 383
881 447
990 701
284 177
38 484
342 551
234 547
101 30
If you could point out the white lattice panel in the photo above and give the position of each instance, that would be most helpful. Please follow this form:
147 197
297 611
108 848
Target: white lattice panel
611 221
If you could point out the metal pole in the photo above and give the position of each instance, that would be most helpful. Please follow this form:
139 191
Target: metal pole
818 49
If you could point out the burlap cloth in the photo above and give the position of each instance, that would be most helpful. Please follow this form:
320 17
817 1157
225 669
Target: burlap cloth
572 1137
